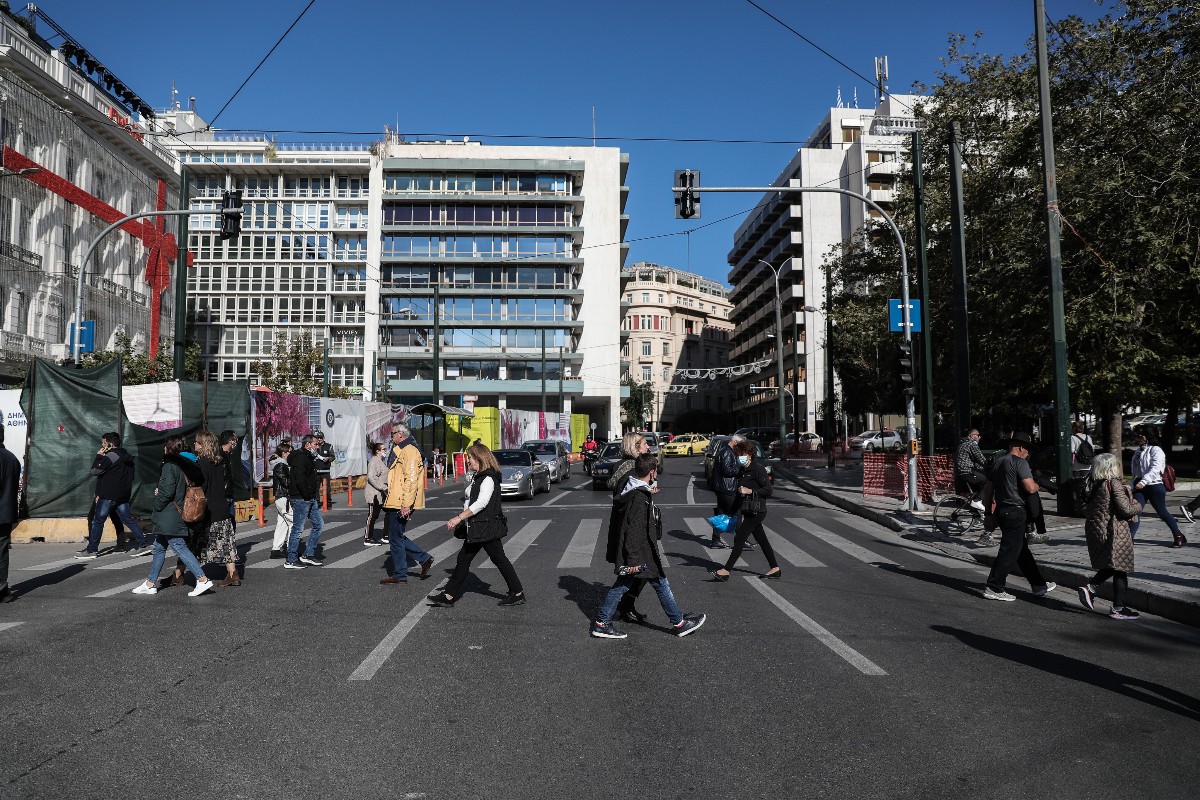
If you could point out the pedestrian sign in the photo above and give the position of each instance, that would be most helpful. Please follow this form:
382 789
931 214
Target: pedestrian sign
896 316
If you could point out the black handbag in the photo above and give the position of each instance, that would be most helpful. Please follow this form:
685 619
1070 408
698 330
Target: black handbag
753 505
460 530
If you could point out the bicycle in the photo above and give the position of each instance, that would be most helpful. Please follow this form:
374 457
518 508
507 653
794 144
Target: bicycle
955 516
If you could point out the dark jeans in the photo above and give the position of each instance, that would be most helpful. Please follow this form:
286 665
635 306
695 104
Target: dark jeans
1120 584
5 546
1194 505
1156 495
495 551
402 548
372 517
1035 513
123 538
751 526
104 507
970 483
1014 551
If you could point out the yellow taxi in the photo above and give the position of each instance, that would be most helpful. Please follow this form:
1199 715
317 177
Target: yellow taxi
689 444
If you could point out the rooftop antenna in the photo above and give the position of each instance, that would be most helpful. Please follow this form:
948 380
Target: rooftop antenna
174 96
840 104
881 77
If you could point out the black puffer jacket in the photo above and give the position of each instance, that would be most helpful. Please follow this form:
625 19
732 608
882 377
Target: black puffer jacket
490 523
304 475
281 478
114 475
725 471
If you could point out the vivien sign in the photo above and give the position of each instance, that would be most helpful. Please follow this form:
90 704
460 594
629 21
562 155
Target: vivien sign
124 122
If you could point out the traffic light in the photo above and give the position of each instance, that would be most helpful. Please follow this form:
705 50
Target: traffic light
906 369
687 202
231 214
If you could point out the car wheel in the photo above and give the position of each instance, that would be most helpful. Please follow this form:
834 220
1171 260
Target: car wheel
870 448
532 489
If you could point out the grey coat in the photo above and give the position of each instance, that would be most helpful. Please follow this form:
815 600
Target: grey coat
377 484
1110 507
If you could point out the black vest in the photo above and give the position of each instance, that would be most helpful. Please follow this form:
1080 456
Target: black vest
490 523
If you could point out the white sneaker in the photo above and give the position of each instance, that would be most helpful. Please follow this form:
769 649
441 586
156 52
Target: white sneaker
1186 514
145 588
1042 591
988 594
977 505
201 588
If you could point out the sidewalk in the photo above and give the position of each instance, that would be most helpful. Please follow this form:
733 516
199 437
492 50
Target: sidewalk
1166 581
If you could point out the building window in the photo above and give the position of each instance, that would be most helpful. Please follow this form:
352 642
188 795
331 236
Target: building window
645 297
646 348
645 374
629 298
660 298
624 347
666 348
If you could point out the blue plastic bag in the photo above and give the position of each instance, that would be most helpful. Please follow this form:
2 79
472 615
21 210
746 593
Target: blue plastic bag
720 522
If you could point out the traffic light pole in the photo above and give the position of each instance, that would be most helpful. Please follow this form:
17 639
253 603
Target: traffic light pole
684 192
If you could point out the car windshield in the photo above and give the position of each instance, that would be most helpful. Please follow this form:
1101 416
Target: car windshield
512 458
868 435
651 440
541 448
611 450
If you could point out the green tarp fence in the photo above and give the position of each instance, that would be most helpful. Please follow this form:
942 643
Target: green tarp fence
68 410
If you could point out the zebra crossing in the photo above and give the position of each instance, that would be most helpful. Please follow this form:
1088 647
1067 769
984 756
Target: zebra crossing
805 542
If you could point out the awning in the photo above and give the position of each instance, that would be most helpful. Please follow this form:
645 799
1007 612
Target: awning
433 410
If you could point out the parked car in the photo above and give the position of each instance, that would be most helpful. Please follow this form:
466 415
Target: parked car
710 456
689 444
809 442
664 437
606 462
521 475
655 448
875 441
759 434
554 453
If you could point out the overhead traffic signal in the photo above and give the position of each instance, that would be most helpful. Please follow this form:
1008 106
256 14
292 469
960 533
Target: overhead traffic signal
687 202
906 369
231 214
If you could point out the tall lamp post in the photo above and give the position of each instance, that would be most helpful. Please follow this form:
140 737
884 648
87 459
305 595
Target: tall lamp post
779 360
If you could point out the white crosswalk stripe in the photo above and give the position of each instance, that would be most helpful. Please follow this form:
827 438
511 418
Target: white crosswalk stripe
845 545
124 588
582 546
4 626
703 531
789 552
126 562
928 554
518 544
327 544
370 553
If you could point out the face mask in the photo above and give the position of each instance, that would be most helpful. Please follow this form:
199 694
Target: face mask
744 460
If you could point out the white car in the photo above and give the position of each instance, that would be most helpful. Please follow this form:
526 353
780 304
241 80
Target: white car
876 441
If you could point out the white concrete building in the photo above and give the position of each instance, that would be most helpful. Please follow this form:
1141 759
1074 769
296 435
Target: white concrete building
676 320
856 149
76 157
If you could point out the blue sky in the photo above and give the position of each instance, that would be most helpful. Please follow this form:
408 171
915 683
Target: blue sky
713 69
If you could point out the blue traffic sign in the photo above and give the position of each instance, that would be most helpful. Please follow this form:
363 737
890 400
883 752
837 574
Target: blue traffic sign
896 316
87 337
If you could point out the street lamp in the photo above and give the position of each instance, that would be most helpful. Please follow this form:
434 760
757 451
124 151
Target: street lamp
21 171
779 356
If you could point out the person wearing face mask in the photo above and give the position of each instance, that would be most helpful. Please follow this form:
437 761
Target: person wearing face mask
753 488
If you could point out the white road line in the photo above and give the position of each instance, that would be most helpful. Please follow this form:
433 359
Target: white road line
143 560
371 664
123 589
691 493
855 658
942 560
369 553
327 544
845 545
519 543
6 625
53 565
789 552
704 532
582 545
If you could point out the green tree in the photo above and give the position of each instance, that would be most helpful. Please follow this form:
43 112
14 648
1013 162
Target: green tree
297 365
138 368
638 405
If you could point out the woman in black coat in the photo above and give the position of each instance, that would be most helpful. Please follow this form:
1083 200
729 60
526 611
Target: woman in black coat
485 527
753 485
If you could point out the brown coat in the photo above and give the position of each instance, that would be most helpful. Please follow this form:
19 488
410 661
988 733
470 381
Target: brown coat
1110 507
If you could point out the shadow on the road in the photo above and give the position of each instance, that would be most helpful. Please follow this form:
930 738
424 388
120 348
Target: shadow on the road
587 596
45 579
971 587
1154 694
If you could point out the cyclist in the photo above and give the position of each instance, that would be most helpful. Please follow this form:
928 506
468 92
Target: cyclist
969 465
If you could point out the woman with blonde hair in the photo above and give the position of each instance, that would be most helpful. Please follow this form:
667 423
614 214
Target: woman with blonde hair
220 547
482 526
1110 508
633 444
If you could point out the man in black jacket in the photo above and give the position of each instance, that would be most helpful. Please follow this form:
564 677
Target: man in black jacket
725 484
10 484
324 455
305 485
635 529
114 470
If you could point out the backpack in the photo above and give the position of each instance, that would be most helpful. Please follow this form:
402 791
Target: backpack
1084 453
195 503
1168 478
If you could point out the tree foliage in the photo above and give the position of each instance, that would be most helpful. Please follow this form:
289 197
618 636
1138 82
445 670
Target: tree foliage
1123 91
297 366
638 406
138 368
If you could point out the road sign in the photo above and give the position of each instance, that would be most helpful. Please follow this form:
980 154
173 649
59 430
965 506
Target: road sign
87 336
896 316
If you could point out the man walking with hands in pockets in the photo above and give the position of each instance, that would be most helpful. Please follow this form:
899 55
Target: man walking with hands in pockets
405 494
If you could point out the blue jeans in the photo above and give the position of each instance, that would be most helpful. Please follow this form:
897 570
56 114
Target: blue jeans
304 510
179 545
624 584
1156 494
104 507
401 547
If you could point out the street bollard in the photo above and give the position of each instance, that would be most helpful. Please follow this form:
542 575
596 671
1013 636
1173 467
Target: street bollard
261 518
324 496
349 491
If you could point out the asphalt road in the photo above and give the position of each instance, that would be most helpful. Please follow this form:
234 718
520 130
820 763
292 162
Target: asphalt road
872 669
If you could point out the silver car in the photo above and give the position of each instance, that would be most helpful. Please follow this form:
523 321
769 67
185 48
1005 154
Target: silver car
521 475
553 453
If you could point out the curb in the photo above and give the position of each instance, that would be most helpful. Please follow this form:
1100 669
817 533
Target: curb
840 502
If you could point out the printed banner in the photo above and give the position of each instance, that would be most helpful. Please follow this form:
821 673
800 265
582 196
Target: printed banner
15 426
154 405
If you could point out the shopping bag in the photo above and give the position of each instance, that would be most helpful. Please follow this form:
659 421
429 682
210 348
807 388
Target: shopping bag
720 522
